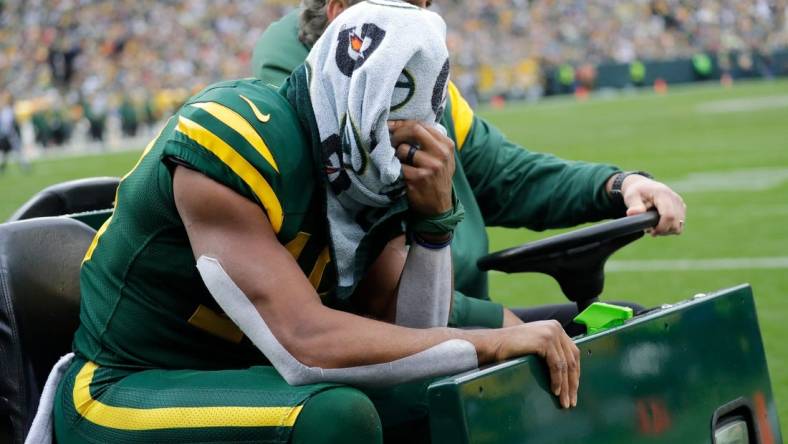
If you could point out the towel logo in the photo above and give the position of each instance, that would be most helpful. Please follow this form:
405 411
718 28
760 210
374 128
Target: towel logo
354 48
403 90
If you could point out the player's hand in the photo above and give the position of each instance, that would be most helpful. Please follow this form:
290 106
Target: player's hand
641 193
429 170
548 340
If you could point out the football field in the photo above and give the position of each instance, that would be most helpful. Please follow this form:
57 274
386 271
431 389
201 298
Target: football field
724 149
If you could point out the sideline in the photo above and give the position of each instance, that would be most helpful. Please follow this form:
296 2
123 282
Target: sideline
747 263
745 104
750 179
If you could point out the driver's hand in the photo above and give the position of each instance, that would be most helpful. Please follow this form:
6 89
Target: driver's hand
548 340
641 194
428 173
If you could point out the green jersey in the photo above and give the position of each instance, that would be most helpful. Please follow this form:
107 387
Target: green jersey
498 182
144 304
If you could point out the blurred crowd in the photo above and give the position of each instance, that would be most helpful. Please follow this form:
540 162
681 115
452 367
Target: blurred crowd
66 62
500 44
71 61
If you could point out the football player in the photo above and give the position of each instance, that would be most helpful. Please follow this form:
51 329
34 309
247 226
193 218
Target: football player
209 306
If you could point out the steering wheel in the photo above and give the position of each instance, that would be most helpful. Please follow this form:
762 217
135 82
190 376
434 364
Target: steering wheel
576 260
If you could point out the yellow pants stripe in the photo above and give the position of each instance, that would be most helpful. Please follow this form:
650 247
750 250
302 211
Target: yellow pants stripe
129 418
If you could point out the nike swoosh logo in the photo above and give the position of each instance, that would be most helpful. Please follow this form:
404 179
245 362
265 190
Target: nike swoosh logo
264 118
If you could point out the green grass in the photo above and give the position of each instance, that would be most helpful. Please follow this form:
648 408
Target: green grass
664 135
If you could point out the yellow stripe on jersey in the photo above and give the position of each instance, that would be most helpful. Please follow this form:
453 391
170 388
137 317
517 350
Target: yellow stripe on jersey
139 161
461 115
130 418
238 165
145 152
94 243
320 266
103 228
241 126
208 320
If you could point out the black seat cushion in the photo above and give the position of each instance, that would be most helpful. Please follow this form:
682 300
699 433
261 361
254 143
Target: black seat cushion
39 310
75 196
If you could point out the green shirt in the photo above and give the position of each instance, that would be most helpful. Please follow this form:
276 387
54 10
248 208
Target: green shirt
498 182
144 304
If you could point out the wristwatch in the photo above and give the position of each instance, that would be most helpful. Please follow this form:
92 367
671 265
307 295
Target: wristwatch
615 189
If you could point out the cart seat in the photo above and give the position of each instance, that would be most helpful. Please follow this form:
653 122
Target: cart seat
39 310
74 196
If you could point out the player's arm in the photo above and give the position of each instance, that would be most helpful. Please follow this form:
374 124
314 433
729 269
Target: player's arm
421 279
234 230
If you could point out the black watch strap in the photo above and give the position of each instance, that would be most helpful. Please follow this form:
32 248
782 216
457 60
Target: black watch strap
618 181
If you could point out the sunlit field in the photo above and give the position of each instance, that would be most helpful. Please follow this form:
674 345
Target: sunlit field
724 149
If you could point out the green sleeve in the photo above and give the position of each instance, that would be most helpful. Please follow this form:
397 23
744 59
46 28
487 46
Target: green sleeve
278 51
516 187
471 312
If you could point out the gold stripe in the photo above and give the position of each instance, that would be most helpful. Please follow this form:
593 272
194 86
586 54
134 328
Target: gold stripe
241 126
206 319
296 246
129 418
238 165
461 115
263 118
146 151
94 243
320 266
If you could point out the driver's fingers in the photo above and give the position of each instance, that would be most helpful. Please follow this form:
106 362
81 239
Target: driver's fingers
637 202
672 214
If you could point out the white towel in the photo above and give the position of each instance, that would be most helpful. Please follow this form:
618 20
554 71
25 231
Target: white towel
41 429
379 60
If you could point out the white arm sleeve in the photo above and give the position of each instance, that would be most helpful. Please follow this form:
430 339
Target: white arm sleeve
446 358
425 288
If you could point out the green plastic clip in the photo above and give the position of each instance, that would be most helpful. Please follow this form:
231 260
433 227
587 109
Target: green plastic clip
600 316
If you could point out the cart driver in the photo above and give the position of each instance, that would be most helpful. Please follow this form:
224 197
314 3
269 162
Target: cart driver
252 274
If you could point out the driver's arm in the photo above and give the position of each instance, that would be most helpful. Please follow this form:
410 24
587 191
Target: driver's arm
234 230
516 187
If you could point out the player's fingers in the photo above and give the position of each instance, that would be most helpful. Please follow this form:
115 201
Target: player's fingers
566 388
572 354
407 154
439 135
556 364
412 132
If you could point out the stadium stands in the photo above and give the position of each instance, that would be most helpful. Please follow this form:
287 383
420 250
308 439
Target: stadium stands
67 61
